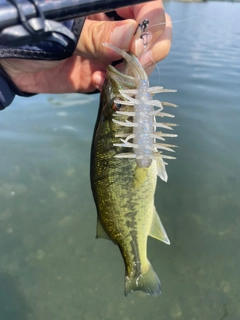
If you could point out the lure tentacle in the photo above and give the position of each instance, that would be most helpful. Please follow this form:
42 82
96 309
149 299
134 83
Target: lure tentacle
142 138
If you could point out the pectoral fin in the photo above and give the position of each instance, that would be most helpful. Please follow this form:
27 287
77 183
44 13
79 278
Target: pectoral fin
157 230
101 233
161 170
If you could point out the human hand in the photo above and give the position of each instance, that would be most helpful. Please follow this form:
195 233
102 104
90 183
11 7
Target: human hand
85 70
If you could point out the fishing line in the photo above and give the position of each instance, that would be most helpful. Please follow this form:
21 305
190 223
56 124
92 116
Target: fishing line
194 17
144 35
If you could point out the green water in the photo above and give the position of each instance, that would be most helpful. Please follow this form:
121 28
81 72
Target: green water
51 265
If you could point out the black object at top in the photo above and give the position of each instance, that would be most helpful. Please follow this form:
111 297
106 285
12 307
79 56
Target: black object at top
59 10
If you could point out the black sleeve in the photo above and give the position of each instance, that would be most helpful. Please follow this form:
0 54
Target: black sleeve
41 51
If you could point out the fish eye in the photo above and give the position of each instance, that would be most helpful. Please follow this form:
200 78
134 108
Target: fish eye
116 106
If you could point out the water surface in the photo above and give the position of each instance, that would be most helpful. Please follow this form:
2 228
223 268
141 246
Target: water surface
51 266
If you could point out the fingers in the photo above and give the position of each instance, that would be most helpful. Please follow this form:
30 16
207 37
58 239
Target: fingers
152 11
158 49
123 35
95 33
98 78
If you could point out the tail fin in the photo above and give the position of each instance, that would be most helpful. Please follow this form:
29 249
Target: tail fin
148 283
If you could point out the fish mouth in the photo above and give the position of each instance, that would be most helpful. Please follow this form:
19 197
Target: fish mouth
122 79
132 63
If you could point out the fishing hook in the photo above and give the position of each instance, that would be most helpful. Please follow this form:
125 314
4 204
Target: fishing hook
144 31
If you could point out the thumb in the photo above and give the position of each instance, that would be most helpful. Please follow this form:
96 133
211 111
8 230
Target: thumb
95 33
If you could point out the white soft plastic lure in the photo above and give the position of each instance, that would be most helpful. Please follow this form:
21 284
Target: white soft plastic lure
145 110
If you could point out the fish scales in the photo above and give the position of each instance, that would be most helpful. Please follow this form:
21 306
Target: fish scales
123 191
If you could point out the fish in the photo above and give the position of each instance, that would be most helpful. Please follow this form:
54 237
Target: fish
123 185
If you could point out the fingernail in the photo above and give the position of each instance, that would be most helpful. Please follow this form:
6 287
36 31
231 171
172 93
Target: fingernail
146 59
98 79
122 36
139 46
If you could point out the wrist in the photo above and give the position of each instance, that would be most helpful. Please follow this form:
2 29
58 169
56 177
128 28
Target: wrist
6 93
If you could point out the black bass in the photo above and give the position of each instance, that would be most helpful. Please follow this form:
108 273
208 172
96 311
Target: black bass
125 162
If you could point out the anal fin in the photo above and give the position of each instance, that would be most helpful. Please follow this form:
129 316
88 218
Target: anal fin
101 233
